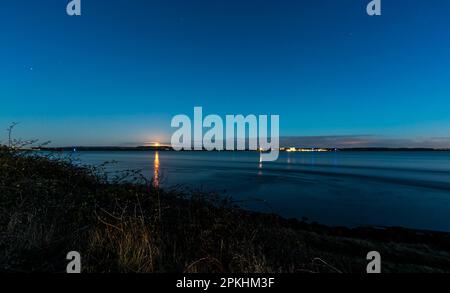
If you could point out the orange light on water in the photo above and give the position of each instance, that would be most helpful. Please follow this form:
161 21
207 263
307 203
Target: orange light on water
156 170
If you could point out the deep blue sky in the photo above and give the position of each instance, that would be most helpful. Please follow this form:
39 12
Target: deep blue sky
117 74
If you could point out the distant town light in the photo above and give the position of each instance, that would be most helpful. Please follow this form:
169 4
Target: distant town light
293 149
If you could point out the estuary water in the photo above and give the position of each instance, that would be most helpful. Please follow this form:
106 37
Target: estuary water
406 189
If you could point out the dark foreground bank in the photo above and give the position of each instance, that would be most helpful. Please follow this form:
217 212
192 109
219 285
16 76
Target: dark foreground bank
49 207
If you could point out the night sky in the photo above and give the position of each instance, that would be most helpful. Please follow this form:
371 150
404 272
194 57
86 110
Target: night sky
117 74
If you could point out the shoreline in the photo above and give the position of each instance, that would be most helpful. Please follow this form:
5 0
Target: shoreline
283 150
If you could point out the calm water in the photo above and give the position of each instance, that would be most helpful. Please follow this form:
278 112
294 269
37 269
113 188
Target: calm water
409 189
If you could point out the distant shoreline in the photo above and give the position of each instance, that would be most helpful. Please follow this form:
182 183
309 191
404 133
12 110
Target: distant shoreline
168 148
